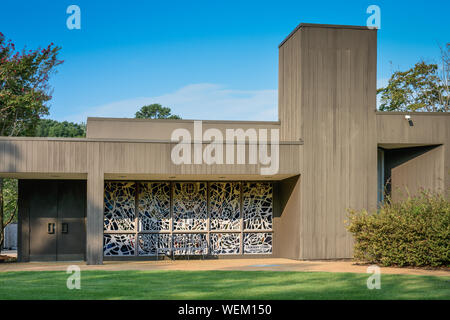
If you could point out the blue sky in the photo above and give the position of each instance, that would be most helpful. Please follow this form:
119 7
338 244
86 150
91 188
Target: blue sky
204 59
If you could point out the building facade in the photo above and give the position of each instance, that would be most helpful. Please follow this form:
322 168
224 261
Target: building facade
118 194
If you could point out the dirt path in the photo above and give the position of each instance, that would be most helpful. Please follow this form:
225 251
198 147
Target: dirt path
270 264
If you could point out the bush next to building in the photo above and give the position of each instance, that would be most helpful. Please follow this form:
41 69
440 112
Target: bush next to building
413 232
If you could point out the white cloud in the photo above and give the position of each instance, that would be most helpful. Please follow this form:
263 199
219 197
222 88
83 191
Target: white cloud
196 101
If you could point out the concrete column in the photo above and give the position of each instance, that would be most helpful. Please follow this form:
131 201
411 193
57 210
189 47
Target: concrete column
95 194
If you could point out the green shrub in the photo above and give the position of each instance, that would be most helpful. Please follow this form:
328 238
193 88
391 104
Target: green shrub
414 232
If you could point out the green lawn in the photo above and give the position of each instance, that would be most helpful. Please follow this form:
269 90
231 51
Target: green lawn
219 285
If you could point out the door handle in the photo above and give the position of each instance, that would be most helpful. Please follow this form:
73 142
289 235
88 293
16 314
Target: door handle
51 228
64 228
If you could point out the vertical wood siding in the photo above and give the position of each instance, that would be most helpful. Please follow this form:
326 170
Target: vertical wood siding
328 87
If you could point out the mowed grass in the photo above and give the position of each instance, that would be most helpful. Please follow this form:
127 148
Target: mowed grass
219 285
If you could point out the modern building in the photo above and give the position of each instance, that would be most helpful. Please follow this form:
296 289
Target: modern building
118 194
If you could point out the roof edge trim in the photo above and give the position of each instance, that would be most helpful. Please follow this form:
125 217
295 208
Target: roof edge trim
318 25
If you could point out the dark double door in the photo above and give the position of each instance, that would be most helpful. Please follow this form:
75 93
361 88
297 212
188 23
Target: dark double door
57 211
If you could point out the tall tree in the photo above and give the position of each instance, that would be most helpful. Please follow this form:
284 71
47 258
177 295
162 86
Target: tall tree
445 77
24 96
155 111
422 88
24 87
8 198
53 128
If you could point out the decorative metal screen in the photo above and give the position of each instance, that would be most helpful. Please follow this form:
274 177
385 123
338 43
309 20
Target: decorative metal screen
119 206
154 206
189 243
118 244
224 205
154 244
189 206
172 218
225 243
257 243
257 205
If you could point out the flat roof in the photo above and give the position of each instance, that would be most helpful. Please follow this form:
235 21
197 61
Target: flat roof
319 25
183 120
415 113
58 139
